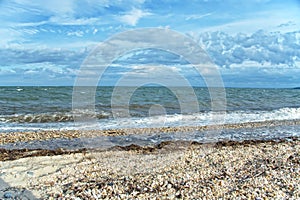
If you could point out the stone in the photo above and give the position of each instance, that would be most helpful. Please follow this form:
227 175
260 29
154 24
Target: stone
8 195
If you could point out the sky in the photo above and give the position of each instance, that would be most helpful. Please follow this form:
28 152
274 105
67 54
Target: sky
254 43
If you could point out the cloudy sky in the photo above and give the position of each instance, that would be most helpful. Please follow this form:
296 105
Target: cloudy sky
254 43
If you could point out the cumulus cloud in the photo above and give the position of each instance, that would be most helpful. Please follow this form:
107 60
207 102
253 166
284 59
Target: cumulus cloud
289 23
226 50
258 57
262 47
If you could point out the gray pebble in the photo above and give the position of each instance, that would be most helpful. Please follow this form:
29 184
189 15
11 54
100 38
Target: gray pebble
8 195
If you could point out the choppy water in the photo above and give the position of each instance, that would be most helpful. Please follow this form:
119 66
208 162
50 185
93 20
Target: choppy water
36 108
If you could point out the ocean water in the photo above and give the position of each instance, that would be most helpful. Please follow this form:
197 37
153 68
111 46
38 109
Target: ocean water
50 108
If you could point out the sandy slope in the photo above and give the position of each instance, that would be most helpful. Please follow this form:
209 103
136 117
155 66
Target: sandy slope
177 170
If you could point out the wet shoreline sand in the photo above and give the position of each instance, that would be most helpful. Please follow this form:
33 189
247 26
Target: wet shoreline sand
15 154
13 137
183 170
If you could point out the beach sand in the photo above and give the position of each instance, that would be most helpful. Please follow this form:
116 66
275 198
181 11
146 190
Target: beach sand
13 137
170 170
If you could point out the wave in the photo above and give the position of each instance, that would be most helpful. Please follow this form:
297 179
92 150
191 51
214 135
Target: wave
258 116
65 120
197 119
48 117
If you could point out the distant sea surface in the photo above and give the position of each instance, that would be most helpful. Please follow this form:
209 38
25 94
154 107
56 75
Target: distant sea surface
48 108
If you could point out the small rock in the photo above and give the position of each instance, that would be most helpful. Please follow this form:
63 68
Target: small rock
110 184
8 195
30 173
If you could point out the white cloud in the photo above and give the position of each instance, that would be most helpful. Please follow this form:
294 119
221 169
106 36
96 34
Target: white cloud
58 7
37 69
272 20
7 71
263 48
30 31
147 70
21 55
195 17
76 33
63 20
132 17
95 31
153 74
258 76
29 24
9 36
32 72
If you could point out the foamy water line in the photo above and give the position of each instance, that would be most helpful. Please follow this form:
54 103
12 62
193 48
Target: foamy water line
103 122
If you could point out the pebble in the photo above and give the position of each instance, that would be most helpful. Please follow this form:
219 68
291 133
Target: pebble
8 195
30 173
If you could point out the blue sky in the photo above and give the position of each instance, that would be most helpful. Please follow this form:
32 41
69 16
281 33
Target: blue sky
255 43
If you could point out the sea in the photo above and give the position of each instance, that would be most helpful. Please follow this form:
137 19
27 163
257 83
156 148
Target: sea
52 108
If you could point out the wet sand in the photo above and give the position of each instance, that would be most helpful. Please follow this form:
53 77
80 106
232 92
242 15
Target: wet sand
14 137
170 170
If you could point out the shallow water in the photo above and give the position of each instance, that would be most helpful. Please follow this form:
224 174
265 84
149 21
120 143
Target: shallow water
208 136
50 108
35 108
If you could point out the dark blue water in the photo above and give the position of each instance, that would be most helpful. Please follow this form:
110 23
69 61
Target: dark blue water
35 108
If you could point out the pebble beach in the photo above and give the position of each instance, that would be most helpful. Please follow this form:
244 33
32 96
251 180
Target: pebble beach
149 100
170 170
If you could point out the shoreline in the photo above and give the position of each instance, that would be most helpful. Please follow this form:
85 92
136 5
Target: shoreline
182 170
12 137
15 154
179 169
